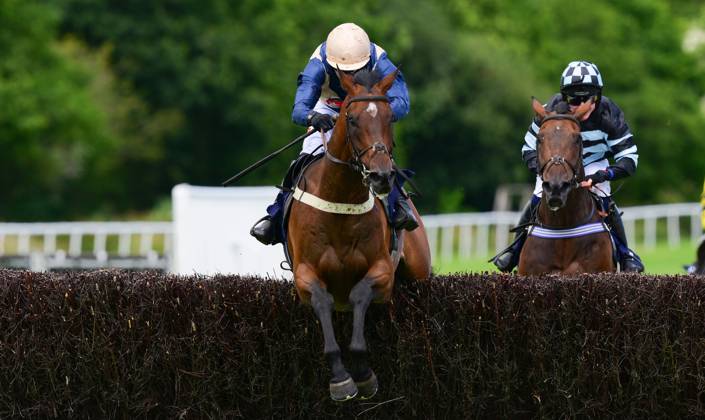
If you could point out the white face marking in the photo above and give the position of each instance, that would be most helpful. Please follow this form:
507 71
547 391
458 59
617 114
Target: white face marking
372 109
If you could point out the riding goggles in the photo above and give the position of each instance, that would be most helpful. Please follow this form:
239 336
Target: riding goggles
575 99
579 97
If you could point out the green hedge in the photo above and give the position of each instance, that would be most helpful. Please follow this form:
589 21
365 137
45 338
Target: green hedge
109 344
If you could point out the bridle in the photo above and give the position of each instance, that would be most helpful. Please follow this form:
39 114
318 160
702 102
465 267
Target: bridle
558 159
356 163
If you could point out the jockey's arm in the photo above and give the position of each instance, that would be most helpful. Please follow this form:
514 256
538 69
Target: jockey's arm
308 90
528 152
398 94
621 143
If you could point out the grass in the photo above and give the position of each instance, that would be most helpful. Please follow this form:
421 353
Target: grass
658 260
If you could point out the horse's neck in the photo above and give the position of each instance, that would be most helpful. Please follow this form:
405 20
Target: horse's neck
339 182
578 209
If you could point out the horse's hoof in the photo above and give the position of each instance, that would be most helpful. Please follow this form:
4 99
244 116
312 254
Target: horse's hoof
368 388
343 391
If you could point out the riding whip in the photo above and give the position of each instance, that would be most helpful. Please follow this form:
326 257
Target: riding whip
265 159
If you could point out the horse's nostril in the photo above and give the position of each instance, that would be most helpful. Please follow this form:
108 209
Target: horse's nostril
554 202
380 176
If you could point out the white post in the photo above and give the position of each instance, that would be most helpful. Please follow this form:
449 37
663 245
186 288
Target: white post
465 241
674 231
23 243
49 243
432 234
695 228
650 232
501 237
447 242
124 244
483 239
99 241
145 243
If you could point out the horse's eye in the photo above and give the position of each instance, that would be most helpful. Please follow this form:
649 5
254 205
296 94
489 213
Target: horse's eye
352 121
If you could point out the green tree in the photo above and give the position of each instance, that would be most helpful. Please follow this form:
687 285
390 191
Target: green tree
50 132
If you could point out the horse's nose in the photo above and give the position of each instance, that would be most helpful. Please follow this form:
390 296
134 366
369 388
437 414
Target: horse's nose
556 187
381 181
556 193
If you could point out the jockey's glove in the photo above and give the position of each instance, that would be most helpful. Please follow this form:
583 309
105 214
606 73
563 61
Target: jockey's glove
320 121
599 176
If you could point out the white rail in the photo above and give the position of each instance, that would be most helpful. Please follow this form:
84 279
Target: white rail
42 246
480 235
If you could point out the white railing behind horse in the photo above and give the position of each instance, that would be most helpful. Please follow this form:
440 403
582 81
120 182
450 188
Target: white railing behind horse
480 235
38 242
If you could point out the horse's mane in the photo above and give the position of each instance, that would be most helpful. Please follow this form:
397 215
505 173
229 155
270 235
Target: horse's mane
367 78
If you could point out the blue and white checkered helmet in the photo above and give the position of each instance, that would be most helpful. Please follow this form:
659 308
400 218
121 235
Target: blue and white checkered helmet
581 73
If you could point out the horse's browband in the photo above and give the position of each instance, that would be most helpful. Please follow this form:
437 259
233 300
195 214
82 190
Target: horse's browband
368 98
560 117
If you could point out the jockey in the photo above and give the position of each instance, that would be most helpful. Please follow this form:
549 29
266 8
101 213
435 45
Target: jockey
319 96
605 134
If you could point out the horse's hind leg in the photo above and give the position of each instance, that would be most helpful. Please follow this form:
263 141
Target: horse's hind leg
360 297
342 387
416 264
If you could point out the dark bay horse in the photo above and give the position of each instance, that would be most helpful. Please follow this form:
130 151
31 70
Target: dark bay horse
569 236
339 237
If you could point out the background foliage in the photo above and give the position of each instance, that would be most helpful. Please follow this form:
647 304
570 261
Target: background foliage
107 104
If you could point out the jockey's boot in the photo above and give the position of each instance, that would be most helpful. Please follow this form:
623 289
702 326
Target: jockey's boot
628 260
506 260
265 229
404 217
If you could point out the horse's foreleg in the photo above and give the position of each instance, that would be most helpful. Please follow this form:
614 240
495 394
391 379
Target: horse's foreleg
360 297
342 387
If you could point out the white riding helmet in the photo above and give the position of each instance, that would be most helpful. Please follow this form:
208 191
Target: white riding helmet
347 47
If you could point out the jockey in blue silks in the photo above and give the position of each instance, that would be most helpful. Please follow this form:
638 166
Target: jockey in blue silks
319 96
605 134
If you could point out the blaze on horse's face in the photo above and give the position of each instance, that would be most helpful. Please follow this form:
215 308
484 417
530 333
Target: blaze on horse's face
559 147
369 127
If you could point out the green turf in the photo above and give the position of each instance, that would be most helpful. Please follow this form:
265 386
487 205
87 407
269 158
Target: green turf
658 260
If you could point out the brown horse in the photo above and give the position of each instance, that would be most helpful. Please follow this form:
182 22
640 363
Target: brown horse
569 236
339 237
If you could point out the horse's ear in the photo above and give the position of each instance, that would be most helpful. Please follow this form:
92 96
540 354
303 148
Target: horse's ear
346 80
583 109
538 108
386 83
